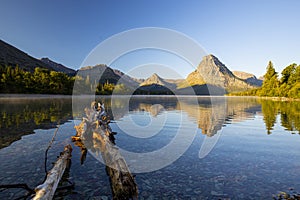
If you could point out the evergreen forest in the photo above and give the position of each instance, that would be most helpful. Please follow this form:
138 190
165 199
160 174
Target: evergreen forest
288 85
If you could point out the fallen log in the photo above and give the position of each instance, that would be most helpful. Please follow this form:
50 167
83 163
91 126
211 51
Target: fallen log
122 182
46 190
95 134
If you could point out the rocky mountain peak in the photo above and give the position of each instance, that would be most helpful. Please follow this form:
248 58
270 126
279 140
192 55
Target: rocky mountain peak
155 75
212 65
155 79
214 71
210 57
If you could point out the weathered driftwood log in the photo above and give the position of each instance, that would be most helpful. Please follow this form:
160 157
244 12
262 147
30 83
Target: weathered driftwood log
96 134
46 190
122 182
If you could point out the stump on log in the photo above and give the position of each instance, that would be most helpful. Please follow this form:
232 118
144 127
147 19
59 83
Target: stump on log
46 190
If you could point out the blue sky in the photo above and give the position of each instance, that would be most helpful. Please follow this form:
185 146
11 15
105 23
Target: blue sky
244 35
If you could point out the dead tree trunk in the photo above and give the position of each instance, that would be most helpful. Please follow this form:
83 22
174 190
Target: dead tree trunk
46 190
95 133
122 182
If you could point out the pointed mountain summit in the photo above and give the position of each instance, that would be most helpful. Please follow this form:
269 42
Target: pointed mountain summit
212 61
212 71
156 85
157 80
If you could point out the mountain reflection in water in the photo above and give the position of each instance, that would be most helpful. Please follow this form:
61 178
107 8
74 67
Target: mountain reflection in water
21 116
247 162
211 114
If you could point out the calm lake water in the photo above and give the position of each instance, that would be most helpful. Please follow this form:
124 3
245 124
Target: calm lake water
227 148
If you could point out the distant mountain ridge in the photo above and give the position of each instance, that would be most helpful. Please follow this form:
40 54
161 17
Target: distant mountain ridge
211 75
12 56
249 78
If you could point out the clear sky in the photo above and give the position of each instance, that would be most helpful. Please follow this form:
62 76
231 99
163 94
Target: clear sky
243 34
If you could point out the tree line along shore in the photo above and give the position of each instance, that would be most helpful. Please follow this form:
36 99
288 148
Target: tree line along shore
286 87
14 80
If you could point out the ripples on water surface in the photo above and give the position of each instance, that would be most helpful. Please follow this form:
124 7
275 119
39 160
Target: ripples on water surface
256 152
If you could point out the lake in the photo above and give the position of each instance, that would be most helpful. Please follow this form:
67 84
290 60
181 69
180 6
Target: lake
176 147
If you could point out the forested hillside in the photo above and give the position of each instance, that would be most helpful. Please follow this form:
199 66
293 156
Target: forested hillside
44 81
41 81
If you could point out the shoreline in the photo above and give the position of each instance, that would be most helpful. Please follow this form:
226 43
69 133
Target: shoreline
280 98
268 98
38 96
45 96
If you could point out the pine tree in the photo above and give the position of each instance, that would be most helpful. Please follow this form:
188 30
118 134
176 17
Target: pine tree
288 72
270 85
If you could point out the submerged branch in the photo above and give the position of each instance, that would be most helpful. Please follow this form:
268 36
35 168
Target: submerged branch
49 146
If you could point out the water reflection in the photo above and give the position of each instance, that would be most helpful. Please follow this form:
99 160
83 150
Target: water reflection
289 113
211 114
246 163
21 116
